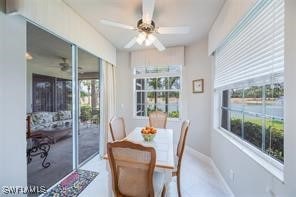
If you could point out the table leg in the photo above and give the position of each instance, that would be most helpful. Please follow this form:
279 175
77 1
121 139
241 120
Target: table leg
41 149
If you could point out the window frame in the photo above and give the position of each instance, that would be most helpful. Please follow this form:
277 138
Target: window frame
247 147
157 75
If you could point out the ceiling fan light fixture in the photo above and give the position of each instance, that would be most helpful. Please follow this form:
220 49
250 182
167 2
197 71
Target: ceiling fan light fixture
150 39
141 38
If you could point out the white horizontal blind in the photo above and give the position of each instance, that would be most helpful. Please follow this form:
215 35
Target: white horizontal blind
255 48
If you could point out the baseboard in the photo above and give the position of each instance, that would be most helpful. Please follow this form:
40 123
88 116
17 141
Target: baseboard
222 178
209 160
198 154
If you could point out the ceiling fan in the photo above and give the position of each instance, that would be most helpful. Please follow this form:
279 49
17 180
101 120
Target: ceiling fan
147 28
64 66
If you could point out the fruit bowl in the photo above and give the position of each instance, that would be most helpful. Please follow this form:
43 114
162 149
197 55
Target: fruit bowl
148 133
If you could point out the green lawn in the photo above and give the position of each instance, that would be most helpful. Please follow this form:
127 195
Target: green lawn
279 125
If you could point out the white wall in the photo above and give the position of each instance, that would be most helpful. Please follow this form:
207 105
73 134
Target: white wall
62 20
195 107
290 97
13 169
250 178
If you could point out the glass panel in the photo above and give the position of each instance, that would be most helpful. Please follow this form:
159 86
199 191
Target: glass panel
152 84
162 83
254 99
174 83
274 100
174 97
140 84
49 103
151 98
43 93
173 111
224 119
89 80
162 97
140 110
225 98
150 108
175 69
140 97
163 69
236 119
236 99
162 108
140 70
151 69
274 138
253 130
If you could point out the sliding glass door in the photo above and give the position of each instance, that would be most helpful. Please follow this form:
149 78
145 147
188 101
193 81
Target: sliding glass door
63 113
89 102
49 107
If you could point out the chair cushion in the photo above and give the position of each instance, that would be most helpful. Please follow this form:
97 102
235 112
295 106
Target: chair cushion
65 115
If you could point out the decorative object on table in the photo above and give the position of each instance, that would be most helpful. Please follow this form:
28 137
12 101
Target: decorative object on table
198 86
148 133
74 184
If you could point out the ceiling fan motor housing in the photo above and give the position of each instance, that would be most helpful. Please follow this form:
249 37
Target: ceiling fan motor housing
144 27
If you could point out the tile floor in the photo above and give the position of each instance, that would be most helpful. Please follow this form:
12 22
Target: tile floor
198 179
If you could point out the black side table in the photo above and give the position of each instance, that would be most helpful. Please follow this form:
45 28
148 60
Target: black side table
38 145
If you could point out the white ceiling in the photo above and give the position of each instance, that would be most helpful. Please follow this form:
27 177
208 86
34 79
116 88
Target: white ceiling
197 14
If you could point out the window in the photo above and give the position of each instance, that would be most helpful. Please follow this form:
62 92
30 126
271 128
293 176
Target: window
51 93
249 68
255 114
157 88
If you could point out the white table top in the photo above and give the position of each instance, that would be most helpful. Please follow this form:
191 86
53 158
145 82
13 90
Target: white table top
163 144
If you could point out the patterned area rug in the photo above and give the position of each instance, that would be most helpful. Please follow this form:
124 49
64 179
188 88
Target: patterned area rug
73 185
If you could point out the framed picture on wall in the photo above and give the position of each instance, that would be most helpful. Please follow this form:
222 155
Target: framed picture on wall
198 86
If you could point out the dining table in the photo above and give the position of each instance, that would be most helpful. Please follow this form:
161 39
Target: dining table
164 147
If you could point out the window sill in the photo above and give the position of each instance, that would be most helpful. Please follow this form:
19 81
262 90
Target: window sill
146 118
269 164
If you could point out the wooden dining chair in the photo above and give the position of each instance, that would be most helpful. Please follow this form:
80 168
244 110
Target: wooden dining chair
132 168
117 128
158 119
180 151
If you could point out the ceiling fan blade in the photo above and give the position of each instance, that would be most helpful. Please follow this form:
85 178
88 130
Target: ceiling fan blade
174 30
147 10
115 24
131 43
158 45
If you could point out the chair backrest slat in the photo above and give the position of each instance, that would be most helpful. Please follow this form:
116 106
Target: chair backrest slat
117 128
132 166
182 141
158 119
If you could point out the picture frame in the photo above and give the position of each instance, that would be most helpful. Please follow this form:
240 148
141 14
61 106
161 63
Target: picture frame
198 86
